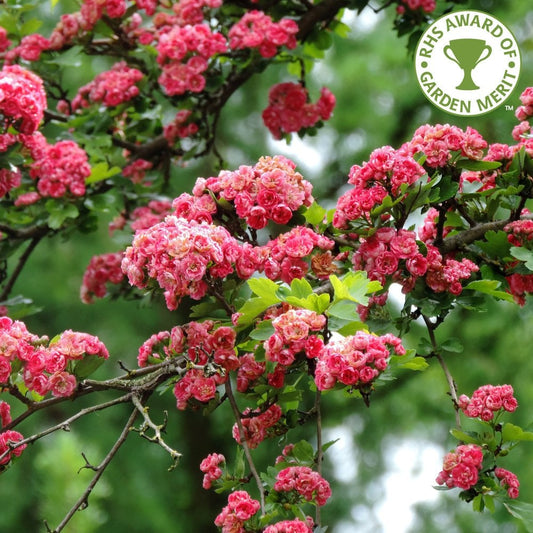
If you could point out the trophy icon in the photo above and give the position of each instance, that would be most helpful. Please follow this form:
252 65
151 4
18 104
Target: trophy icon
467 53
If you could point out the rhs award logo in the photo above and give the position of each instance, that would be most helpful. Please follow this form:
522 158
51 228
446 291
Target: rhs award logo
467 63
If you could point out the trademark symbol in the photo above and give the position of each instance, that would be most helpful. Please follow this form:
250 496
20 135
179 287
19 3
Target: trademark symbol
509 108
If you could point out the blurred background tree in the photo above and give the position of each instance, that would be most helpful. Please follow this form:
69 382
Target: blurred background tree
378 103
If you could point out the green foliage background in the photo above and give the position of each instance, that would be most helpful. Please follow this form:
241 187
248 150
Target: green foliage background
378 103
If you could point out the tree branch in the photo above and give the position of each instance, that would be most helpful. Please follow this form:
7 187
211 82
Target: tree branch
468 236
83 500
20 265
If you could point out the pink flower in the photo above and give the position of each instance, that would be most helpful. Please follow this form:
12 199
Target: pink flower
62 384
461 467
210 467
22 99
7 440
304 481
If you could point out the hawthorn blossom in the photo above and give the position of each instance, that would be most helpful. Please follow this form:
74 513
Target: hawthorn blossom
488 400
257 30
102 269
289 110
22 99
310 485
461 467
509 481
211 469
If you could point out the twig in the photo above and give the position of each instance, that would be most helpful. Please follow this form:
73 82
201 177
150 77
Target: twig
157 438
449 378
20 265
244 443
65 425
83 500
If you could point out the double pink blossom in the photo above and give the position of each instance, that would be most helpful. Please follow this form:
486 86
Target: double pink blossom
461 467
310 485
488 400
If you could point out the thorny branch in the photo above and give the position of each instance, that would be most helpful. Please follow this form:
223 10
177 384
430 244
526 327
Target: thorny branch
157 429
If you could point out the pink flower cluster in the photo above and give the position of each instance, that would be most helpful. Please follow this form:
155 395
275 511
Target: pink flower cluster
249 371
8 438
62 168
291 335
102 269
289 110
192 11
211 469
519 232
147 216
525 111
5 43
487 400
181 255
461 467
395 254
201 343
305 481
9 179
290 526
509 481
111 88
183 53
136 171
257 30
286 253
384 174
22 99
427 6
270 190
180 127
44 368
241 507
256 425
438 142
519 286
355 360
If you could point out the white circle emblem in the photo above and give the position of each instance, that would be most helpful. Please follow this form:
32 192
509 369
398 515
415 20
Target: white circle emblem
467 63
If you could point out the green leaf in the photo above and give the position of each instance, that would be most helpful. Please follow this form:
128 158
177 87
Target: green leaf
490 287
264 288
263 331
416 363
495 244
478 504
341 29
314 214
239 463
345 309
101 171
301 288
31 26
489 503
479 166
303 452
523 511
70 58
354 286
59 212
452 345
523 254
86 366
512 433
467 438
252 308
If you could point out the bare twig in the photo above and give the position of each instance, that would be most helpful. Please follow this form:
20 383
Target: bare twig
83 500
65 425
20 265
157 438
449 378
